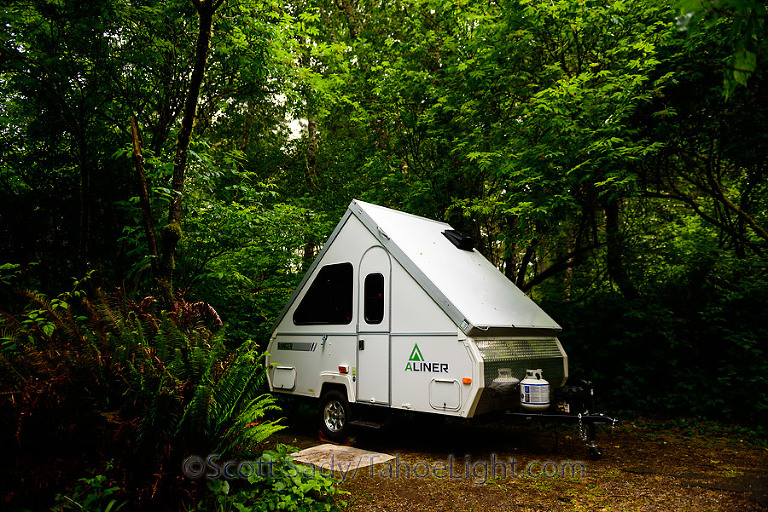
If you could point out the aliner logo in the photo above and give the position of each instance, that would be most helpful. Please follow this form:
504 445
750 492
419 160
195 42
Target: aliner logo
416 363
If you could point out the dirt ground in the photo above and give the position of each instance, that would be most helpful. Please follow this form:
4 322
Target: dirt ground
495 466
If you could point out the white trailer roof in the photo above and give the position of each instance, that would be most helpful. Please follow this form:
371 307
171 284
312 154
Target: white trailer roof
463 283
471 291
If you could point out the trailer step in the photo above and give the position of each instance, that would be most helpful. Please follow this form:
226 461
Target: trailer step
367 424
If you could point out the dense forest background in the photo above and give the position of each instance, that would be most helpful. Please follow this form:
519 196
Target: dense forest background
610 157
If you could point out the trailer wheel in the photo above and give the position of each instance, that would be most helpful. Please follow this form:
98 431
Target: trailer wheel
336 415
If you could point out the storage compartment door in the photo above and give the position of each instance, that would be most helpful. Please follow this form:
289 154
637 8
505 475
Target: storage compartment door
445 394
284 377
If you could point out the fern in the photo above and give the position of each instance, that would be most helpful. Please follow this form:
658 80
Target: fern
167 379
227 398
249 428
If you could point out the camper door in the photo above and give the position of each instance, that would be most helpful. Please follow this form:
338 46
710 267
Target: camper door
373 327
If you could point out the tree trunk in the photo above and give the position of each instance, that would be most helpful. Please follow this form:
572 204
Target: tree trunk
146 211
171 232
510 259
85 200
353 20
614 258
311 145
310 177
523 270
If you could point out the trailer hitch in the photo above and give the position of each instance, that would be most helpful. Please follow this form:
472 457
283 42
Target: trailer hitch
586 423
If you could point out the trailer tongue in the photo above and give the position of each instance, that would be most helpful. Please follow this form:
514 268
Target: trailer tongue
573 404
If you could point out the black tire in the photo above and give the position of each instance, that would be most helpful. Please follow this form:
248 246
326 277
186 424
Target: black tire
335 415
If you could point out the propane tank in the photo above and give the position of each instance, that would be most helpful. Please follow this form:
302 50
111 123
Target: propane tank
505 383
534 391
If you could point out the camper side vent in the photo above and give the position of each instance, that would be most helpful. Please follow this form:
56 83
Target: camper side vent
456 238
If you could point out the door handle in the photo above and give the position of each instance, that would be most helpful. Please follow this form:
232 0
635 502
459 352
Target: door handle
361 345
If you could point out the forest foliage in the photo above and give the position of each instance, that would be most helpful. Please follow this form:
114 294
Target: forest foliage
608 156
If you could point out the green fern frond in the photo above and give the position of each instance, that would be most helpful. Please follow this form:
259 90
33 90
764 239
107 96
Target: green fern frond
197 412
249 427
61 317
10 373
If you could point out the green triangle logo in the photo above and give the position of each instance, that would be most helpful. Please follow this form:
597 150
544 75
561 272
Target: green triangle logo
416 354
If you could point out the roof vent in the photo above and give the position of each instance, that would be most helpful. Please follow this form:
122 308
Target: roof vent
462 242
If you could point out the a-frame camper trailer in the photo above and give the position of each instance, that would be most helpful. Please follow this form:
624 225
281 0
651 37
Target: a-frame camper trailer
402 312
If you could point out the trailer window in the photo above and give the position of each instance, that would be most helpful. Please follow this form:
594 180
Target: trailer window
329 298
373 291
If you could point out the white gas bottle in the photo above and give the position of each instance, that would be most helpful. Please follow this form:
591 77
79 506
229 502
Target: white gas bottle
534 391
505 383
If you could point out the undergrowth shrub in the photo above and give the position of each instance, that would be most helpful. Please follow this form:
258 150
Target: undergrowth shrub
92 494
105 386
276 483
679 351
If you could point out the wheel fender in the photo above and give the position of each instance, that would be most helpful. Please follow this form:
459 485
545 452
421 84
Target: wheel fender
336 379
